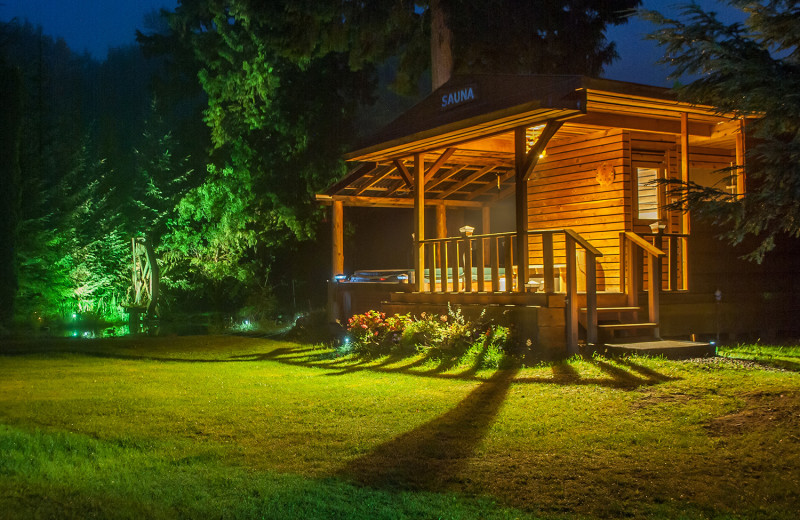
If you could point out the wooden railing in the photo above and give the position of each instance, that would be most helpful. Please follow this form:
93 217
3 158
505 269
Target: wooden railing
674 267
631 271
487 263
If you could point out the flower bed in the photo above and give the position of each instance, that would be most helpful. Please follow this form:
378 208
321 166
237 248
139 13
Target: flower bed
437 336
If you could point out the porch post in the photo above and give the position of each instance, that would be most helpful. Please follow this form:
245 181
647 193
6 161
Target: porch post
740 160
521 207
685 217
419 221
441 221
337 232
684 165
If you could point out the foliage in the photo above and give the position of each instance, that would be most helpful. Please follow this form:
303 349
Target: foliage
750 69
277 135
10 137
540 37
373 333
437 336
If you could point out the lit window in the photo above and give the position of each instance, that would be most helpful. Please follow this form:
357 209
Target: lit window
647 191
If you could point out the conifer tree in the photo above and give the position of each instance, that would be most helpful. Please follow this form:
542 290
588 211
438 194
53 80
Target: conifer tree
751 69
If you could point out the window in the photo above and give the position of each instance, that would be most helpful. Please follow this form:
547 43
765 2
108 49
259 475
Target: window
647 193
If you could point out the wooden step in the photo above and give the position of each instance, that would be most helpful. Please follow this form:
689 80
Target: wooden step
670 349
626 326
613 309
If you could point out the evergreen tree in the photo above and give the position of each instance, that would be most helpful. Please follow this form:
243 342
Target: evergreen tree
751 69
10 134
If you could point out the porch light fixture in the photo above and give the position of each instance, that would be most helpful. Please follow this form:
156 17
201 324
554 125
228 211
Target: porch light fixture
657 227
466 231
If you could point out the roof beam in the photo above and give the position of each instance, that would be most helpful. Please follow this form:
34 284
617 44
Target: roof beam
436 166
354 174
393 202
452 171
645 124
404 174
489 185
375 180
532 157
469 178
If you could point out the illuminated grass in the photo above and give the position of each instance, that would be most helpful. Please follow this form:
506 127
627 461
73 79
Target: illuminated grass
252 428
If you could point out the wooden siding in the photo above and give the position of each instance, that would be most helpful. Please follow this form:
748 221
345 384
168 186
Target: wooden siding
564 193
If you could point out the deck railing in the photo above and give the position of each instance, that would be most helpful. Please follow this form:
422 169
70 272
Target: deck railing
633 248
675 260
487 263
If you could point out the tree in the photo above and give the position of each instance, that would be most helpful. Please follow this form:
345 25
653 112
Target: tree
751 69
10 132
286 82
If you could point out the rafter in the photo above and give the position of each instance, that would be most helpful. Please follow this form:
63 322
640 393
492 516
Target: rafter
430 172
356 173
452 171
480 191
469 178
404 174
533 155
375 180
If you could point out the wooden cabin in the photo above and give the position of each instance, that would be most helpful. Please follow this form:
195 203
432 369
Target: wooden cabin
593 253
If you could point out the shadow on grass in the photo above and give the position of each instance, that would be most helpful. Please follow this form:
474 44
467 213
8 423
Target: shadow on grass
431 456
563 373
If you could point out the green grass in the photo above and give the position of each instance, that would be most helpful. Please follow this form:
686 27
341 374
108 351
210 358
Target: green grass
233 427
783 356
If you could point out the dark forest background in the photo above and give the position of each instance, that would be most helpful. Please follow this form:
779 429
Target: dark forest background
211 135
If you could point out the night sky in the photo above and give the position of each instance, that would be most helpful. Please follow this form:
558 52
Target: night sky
96 25
86 25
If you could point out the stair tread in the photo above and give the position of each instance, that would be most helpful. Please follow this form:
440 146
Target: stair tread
626 325
613 309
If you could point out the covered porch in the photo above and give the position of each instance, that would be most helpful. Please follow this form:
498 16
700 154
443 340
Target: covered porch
591 247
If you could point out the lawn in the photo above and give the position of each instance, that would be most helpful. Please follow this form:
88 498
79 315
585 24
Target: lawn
238 427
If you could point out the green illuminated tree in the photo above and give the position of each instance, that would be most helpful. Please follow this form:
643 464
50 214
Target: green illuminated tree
750 69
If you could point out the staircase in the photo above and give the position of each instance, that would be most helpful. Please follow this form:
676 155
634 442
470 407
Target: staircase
621 329
616 323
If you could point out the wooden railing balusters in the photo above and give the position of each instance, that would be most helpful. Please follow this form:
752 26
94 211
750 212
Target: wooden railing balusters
547 263
458 255
468 265
509 264
481 265
494 243
432 266
454 261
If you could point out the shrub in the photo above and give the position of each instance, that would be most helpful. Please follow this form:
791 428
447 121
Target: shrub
373 333
438 336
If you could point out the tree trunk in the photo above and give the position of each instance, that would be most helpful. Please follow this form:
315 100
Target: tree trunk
441 48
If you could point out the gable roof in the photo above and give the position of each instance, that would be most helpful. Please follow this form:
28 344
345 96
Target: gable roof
465 131
498 103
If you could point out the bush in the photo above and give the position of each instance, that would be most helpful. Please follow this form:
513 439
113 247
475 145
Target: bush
437 336
374 334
